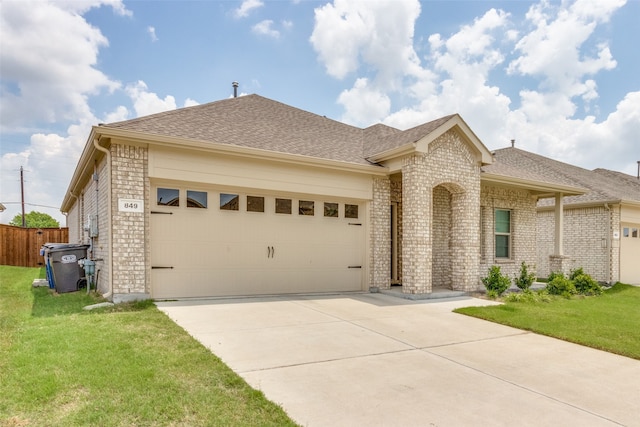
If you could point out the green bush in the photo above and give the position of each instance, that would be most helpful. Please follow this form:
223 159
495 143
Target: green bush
526 279
555 274
560 285
528 296
495 282
575 273
585 285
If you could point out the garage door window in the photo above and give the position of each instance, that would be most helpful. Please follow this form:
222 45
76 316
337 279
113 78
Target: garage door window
283 206
196 199
255 204
168 197
331 210
351 211
306 207
229 202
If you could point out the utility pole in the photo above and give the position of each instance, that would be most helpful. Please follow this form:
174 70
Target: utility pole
24 219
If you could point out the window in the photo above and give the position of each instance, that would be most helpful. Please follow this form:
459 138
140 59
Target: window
283 206
229 202
255 204
351 211
625 232
503 233
168 197
634 232
196 199
331 210
305 207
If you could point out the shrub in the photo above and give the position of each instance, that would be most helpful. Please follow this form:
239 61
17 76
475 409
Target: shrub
555 274
560 285
495 282
575 273
526 279
529 297
585 285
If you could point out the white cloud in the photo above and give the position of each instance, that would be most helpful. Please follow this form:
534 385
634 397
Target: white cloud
265 28
145 102
364 104
555 49
552 50
246 7
378 34
152 33
190 102
47 75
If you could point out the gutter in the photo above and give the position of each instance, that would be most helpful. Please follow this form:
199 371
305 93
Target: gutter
541 186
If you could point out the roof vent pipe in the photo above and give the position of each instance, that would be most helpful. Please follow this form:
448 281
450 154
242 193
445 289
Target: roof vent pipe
513 143
235 89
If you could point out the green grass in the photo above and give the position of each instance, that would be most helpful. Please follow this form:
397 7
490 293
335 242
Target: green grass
607 322
129 365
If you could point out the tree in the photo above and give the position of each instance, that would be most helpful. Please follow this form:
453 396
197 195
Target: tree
35 220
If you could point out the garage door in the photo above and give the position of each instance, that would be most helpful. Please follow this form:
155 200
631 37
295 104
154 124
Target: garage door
630 253
223 243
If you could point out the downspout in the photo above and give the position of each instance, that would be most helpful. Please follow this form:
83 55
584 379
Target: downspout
78 226
609 249
108 166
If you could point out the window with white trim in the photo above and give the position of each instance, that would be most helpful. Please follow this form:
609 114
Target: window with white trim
502 232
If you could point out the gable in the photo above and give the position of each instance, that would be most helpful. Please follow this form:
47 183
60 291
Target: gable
419 138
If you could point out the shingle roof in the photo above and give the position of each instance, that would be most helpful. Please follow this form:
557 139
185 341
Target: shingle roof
257 122
390 140
603 185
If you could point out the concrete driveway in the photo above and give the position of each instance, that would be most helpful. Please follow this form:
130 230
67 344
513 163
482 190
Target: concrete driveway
376 360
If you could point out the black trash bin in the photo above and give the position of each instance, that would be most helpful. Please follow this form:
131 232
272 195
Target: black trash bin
64 265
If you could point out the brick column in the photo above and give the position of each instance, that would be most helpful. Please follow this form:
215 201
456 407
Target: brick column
416 242
129 181
380 273
465 239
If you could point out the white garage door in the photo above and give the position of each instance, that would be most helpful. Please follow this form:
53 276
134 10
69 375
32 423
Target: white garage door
630 254
220 243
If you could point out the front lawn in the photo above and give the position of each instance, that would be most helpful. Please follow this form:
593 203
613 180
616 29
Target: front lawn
608 322
129 365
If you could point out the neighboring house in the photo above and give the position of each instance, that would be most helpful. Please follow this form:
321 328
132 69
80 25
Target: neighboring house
601 227
248 196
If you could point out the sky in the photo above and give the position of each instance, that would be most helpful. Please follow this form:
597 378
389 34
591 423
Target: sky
562 78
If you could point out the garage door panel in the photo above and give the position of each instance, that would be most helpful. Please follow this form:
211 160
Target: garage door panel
216 252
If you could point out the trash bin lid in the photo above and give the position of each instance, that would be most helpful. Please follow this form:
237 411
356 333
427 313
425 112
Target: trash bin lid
53 247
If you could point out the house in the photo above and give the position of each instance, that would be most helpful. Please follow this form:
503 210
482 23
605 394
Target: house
249 196
601 227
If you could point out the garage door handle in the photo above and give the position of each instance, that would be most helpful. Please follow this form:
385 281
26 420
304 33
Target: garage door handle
355 266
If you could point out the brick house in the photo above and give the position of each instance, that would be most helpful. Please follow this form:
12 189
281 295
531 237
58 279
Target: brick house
249 196
601 227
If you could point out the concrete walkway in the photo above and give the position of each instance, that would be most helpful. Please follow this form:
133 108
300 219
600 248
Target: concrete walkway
375 360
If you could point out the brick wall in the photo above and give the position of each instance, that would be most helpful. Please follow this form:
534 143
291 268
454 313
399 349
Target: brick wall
380 241
130 245
586 243
523 222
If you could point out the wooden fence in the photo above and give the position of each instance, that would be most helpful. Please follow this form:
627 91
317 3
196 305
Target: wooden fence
21 246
